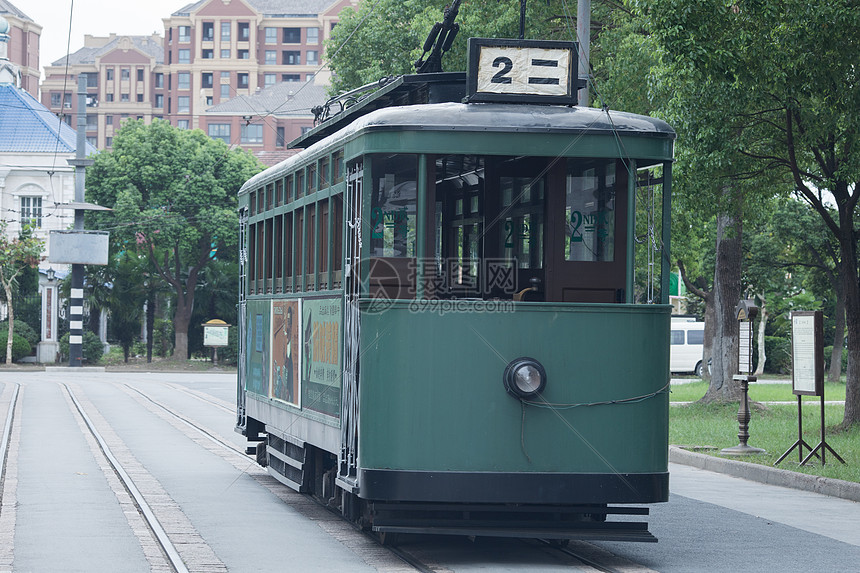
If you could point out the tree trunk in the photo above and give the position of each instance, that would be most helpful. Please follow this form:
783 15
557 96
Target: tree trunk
835 372
848 251
8 289
150 324
727 293
762 354
181 320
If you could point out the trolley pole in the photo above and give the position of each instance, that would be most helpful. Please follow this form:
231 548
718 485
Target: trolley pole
80 162
583 33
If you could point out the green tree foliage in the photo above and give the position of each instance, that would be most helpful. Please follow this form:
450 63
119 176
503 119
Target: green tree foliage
92 349
777 97
173 194
16 255
384 37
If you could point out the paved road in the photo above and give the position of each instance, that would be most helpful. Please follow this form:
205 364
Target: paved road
63 508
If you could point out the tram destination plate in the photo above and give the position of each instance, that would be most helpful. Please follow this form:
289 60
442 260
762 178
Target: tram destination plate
526 71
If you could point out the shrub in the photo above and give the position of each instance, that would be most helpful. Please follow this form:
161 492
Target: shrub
20 346
92 349
162 338
23 329
778 351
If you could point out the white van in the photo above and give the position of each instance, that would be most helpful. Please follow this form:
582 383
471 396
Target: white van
687 345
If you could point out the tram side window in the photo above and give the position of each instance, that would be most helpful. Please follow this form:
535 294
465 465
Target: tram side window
522 196
590 212
392 206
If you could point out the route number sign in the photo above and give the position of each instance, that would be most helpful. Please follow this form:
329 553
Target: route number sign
528 71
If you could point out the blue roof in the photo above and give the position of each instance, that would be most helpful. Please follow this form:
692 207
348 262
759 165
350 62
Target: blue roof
26 126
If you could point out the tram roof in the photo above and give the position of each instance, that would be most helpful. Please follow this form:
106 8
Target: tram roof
482 118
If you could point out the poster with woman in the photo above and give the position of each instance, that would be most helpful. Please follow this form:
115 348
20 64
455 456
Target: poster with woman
286 351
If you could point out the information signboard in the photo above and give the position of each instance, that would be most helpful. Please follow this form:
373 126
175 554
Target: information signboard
807 353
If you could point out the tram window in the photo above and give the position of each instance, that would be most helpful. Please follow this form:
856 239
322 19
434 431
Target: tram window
252 256
337 165
279 252
260 254
523 210
279 192
323 172
312 178
288 251
311 242
300 183
590 212
288 189
323 244
270 192
393 205
337 237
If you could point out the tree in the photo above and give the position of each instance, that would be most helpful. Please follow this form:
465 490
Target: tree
16 255
792 99
173 194
385 37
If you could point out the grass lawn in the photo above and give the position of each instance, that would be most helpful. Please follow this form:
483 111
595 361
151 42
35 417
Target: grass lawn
759 393
772 427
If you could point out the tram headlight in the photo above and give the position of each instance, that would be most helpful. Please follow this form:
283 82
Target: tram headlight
524 378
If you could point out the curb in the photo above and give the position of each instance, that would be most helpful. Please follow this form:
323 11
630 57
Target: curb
766 474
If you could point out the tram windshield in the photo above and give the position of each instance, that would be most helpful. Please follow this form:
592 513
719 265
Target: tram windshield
516 227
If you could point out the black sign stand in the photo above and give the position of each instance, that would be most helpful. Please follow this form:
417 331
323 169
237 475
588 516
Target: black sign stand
807 378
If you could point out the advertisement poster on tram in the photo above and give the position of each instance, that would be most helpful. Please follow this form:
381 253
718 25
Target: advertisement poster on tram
321 366
286 353
257 329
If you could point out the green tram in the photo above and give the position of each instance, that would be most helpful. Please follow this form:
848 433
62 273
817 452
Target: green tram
438 328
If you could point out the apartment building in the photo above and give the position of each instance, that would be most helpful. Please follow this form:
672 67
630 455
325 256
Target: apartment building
212 52
24 36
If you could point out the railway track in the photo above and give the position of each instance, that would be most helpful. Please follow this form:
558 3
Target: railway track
163 531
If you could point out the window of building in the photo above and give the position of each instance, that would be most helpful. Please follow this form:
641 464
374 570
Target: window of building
291 77
125 73
225 53
183 104
208 54
225 76
184 33
306 129
109 74
225 31
159 100
271 57
140 74
220 131
108 97
183 80
225 92
108 141
313 35
206 79
124 97
92 79
56 99
291 58
208 31
92 121
311 57
292 35
159 80
184 56
271 35
252 133
31 211
109 119
244 31
280 140
182 123
242 79
269 80
139 98
243 54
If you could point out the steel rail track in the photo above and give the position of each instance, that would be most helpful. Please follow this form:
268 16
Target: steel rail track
152 521
403 555
7 432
